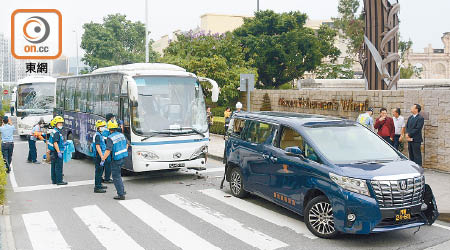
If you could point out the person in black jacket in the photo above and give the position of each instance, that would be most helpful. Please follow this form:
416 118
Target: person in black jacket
414 127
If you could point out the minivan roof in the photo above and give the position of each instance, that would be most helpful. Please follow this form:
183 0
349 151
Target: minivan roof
290 118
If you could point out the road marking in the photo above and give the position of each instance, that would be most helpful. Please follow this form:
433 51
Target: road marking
171 230
441 226
108 233
12 178
43 232
230 226
260 212
72 183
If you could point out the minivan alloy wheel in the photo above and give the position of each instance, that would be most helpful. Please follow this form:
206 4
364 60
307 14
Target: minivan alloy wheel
321 218
236 182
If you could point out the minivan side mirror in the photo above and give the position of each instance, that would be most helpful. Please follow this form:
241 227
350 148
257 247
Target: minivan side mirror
294 151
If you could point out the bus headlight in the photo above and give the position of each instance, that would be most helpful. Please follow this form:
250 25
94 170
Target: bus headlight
147 155
199 151
351 184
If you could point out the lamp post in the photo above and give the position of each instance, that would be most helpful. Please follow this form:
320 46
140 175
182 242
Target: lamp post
76 41
146 32
257 5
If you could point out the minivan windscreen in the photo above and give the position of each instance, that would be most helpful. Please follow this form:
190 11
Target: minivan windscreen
347 144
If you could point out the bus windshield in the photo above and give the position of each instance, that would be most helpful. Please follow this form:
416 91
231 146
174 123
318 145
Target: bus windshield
36 98
169 104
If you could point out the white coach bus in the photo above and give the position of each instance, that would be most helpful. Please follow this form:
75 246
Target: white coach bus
35 99
161 105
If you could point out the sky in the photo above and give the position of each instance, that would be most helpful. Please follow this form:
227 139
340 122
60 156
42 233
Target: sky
423 22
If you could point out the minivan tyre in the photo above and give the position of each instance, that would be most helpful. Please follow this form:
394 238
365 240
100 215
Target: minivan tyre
319 218
236 183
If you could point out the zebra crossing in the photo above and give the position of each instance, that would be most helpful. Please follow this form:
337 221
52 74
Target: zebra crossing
43 233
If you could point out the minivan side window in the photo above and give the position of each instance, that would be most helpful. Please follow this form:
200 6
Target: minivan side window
236 127
258 132
291 138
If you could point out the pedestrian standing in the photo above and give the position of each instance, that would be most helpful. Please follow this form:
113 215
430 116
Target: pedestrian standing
385 126
209 117
227 116
107 165
238 107
36 134
414 127
117 147
400 127
366 119
12 109
100 148
56 146
7 131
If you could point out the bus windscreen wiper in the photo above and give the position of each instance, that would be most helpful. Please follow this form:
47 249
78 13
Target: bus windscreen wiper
195 131
154 134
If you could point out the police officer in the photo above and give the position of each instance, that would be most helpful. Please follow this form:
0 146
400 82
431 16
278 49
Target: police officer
36 134
100 148
7 131
107 164
56 147
117 147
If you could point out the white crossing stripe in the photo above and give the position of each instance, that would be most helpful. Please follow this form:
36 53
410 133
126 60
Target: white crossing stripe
260 212
171 230
43 232
110 235
232 227
441 226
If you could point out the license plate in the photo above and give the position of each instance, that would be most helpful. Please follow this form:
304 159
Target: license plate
176 165
403 214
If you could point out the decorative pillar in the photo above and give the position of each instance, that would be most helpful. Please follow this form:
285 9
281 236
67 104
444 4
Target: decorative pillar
380 60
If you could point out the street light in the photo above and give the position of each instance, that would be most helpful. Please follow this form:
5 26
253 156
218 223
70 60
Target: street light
257 5
76 41
146 32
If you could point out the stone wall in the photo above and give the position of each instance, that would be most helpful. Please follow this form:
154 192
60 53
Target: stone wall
349 104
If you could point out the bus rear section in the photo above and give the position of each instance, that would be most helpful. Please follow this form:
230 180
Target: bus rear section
35 100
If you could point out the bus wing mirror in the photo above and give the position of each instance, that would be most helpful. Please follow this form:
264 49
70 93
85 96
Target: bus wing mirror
132 91
215 88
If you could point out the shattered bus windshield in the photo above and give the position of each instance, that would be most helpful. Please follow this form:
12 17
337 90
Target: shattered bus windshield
36 97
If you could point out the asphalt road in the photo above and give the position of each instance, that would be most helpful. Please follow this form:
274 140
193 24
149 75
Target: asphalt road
166 210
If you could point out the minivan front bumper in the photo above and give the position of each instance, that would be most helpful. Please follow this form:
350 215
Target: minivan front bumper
369 217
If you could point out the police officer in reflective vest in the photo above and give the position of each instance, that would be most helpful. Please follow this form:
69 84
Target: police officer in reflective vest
56 147
100 149
117 147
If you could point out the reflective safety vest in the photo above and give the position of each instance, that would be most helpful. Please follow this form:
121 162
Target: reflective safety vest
364 119
105 134
102 144
60 143
119 146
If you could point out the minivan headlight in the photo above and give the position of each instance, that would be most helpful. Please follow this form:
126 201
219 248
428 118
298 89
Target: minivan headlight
148 155
199 151
358 186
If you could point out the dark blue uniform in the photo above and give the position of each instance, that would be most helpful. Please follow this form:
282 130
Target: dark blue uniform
116 143
57 163
107 164
99 140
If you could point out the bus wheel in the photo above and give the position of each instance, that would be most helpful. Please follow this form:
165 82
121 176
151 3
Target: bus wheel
125 172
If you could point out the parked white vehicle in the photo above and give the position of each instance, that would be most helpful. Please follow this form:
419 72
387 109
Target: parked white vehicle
35 99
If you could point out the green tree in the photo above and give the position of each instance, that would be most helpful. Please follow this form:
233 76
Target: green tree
215 56
332 70
282 48
407 71
115 41
351 24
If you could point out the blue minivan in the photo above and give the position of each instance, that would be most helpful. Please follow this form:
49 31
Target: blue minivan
339 175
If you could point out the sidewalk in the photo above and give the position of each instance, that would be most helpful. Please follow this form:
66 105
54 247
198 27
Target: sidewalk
439 181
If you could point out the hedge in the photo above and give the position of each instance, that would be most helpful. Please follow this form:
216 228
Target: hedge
3 176
218 126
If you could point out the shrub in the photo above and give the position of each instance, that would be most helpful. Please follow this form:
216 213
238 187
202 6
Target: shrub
2 179
266 106
218 126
